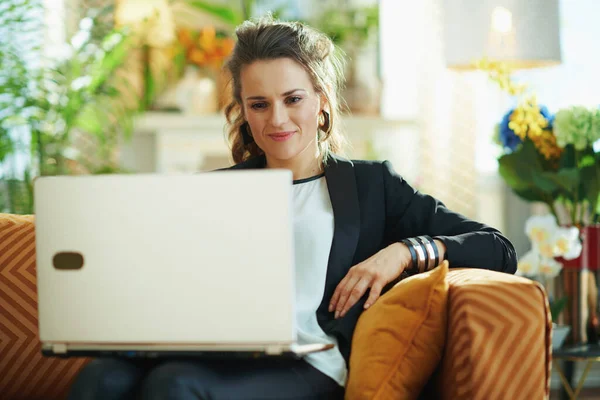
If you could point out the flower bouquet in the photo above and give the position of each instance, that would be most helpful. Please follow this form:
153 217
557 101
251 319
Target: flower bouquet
206 48
554 159
199 58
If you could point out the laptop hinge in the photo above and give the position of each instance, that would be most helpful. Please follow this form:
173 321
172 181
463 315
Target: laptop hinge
59 348
274 349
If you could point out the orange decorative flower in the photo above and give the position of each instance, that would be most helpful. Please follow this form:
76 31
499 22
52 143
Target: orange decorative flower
546 144
206 48
185 38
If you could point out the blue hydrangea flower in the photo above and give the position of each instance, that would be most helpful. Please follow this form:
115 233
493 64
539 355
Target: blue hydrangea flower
549 117
507 136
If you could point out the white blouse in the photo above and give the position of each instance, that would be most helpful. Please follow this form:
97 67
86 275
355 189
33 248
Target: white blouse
313 235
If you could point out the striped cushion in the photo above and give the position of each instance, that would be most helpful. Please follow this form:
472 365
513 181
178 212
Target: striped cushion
498 344
24 372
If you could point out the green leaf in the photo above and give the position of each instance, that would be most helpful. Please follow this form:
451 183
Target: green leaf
179 61
508 166
149 88
523 173
113 58
70 112
224 13
557 307
543 182
75 67
531 195
568 159
111 91
587 161
566 179
89 120
6 144
590 180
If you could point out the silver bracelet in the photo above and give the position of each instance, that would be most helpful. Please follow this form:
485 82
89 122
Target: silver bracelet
420 254
430 251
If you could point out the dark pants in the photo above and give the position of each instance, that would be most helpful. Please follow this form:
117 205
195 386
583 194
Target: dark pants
112 379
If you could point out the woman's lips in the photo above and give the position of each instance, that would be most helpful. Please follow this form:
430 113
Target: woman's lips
281 136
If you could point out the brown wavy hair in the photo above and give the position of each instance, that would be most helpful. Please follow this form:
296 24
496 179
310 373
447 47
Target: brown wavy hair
267 39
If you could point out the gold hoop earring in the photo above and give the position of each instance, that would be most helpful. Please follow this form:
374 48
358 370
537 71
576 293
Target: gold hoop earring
326 127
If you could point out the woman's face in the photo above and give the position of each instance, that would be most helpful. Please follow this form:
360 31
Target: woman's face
282 109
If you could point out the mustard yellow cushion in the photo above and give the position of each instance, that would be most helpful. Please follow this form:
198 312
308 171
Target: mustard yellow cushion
399 341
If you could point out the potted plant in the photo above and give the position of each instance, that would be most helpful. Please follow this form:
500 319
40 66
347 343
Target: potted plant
64 113
203 89
555 159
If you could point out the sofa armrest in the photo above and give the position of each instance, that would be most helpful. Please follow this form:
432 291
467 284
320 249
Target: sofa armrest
499 343
24 372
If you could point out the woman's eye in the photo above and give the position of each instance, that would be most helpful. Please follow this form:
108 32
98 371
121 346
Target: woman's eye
293 99
258 106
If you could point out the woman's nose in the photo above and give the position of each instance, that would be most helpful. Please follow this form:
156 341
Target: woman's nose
279 115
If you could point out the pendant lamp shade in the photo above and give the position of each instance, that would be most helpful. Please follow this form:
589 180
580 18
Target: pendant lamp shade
520 33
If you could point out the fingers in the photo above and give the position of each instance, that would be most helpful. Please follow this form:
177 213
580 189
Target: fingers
350 296
374 294
341 293
336 294
355 284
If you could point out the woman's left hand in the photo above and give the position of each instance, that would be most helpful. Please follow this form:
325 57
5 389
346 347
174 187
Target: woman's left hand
375 272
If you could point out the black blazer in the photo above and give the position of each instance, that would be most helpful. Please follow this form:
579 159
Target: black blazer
374 207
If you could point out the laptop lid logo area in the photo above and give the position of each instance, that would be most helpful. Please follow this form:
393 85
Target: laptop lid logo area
68 260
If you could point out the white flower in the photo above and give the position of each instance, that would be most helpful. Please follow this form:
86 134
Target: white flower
545 248
529 264
549 267
540 228
566 243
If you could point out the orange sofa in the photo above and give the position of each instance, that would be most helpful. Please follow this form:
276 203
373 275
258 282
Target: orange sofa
498 344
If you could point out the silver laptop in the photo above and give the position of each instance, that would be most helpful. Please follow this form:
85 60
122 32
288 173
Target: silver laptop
152 265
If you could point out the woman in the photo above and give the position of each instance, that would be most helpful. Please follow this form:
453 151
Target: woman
358 226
